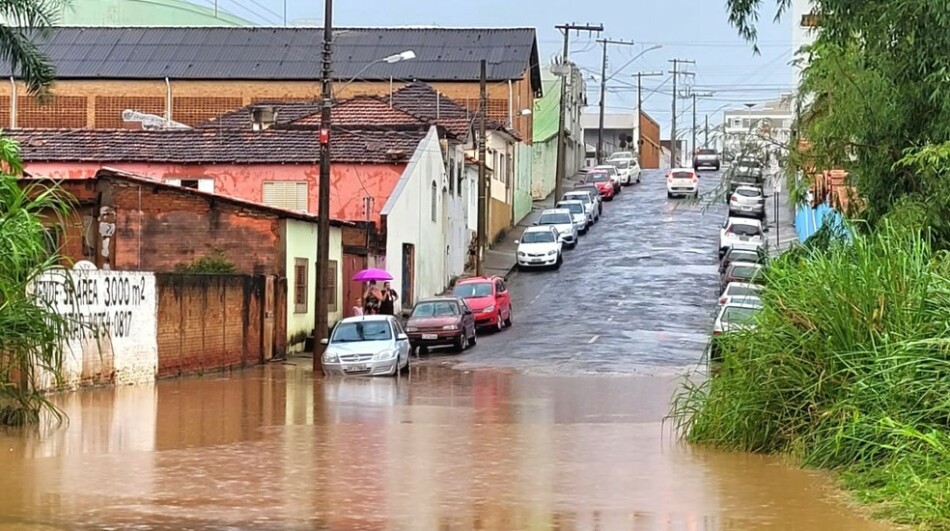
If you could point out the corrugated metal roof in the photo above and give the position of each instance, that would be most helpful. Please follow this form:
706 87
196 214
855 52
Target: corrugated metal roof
442 54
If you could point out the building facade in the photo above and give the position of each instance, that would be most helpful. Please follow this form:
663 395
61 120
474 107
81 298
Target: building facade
546 117
132 71
761 130
620 132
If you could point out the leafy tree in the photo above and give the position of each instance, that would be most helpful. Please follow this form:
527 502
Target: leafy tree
31 332
878 87
24 21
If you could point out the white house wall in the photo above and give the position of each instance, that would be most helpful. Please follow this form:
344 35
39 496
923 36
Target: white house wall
459 202
408 214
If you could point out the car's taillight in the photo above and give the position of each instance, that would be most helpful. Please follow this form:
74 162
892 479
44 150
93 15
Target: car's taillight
722 300
716 332
734 198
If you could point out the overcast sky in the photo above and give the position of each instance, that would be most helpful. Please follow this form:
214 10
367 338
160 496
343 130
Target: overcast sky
686 29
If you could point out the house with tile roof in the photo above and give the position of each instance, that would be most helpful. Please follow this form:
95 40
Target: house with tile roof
191 74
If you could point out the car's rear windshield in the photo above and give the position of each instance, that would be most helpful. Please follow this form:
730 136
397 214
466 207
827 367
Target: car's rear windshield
620 164
598 178
743 291
537 236
474 289
575 208
362 331
748 192
584 197
554 219
746 272
737 314
745 230
682 175
436 309
707 151
744 256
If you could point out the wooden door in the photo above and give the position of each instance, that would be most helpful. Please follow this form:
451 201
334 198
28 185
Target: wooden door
352 264
408 274
268 329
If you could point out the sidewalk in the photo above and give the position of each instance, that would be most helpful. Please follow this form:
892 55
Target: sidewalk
782 233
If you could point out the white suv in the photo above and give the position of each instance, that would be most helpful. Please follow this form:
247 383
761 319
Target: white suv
740 230
563 222
539 247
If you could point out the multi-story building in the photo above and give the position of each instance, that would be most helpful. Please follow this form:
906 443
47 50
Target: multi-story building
546 116
766 128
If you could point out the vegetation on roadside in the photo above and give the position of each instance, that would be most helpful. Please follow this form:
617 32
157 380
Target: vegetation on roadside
31 332
215 263
848 367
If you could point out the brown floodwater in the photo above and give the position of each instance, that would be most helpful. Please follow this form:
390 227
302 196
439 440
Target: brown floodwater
272 448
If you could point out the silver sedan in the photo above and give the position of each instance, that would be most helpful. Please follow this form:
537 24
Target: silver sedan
367 345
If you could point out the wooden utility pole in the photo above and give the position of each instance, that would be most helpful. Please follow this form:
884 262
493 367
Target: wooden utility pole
322 302
565 77
603 93
482 229
706 129
640 76
695 95
676 73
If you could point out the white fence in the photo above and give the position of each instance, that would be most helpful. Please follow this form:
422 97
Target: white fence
113 321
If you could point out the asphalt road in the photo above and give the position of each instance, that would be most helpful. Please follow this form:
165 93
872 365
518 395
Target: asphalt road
637 295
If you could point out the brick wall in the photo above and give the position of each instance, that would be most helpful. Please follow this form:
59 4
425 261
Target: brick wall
158 228
209 322
92 103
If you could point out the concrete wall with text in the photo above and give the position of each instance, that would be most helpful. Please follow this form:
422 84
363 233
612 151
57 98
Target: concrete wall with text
111 323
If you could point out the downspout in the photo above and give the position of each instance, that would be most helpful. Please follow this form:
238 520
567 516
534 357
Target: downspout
168 99
390 92
511 112
12 103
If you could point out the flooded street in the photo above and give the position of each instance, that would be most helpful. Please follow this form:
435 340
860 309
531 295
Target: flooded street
556 423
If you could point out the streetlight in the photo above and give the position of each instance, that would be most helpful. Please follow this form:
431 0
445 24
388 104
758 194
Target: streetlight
321 314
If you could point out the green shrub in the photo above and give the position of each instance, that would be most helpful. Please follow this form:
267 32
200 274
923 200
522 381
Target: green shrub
215 263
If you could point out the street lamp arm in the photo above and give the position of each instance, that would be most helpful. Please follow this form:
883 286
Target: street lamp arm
628 63
395 58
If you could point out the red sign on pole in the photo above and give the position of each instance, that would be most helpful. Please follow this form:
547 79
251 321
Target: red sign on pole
324 136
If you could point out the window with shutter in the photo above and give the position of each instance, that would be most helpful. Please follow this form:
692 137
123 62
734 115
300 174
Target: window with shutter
331 283
288 195
300 285
434 203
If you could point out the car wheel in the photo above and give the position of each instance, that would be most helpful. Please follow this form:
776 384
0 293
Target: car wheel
500 325
669 195
462 342
638 178
474 340
408 362
560 260
508 320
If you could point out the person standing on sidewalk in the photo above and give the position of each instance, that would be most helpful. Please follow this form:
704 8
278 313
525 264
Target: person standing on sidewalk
388 305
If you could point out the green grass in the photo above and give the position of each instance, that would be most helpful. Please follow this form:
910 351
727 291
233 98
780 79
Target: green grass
848 369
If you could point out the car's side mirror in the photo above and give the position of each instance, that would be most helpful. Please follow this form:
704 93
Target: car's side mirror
535 223
402 337
517 242
324 341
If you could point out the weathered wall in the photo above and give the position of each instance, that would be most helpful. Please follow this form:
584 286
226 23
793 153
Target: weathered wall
543 168
111 319
522 184
649 135
157 229
414 216
99 103
209 322
351 183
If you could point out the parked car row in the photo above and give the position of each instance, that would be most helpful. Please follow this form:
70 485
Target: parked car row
381 345
743 250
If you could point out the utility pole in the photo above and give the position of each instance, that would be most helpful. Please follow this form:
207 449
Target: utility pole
640 76
321 325
676 73
565 75
706 129
482 228
603 93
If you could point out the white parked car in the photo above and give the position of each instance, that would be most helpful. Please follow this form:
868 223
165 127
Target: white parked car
617 155
629 170
562 221
578 212
367 345
742 293
682 181
740 230
591 201
539 247
731 317
747 201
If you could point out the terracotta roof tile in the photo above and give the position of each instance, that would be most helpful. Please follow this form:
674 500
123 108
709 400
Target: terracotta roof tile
225 146
423 100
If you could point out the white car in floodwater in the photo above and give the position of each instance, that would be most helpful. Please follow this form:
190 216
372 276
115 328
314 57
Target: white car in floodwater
367 345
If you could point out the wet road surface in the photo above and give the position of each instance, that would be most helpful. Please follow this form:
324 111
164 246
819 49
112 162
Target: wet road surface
553 424
637 295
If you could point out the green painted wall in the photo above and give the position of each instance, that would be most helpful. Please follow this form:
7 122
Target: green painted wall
300 241
544 167
145 13
523 170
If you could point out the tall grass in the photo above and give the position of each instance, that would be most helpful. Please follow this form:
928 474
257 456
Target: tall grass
848 369
30 331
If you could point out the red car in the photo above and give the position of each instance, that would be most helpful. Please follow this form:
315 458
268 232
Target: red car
489 299
601 180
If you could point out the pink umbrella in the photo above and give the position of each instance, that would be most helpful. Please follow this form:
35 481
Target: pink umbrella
371 274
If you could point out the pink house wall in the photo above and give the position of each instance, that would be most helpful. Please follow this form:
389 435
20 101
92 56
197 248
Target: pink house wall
350 183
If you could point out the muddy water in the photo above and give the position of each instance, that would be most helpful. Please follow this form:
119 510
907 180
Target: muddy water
443 449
